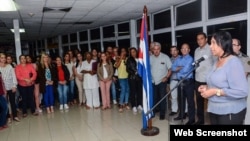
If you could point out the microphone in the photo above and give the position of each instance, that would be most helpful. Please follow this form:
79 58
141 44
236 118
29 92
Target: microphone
204 57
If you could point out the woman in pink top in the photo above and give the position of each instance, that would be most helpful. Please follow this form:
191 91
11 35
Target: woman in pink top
26 75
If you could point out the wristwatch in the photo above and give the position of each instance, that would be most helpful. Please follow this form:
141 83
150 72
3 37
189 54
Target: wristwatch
218 92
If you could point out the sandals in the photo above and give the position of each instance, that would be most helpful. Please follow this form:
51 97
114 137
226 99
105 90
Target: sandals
16 119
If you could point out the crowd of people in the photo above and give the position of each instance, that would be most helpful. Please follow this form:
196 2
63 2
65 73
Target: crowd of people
99 79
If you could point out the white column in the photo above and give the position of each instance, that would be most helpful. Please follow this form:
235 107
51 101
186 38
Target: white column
101 39
133 42
60 49
173 26
17 39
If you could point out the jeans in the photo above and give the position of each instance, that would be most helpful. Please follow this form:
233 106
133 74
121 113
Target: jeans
3 110
62 93
113 90
71 91
124 95
48 96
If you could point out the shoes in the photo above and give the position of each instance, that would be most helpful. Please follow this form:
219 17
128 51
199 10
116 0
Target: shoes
199 123
127 107
66 106
180 118
114 102
52 109
190 123
35 114
16 119
120 110
134 110
162 117
87 107
25 115
9 121
3 127
139 108
61 107
39 110
172 113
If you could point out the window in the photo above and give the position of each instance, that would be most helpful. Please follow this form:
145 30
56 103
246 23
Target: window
109 43
84 48
124 43
73 47
73 38
84 36
219 8
65 39
139 25
95 34
96 46
165 40
162 20
188 36
237 29
109 31
189 13
123 29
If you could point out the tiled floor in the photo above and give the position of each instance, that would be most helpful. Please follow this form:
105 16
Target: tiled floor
79 124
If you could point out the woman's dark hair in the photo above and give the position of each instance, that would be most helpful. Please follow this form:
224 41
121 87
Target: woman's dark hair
224 40
120 50
133 48
77 61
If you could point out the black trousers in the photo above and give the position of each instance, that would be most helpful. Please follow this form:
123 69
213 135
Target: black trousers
228 119
27 94
135 87
12 98
199 102
186 92
160 91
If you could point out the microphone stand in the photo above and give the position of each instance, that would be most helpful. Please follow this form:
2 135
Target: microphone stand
196 65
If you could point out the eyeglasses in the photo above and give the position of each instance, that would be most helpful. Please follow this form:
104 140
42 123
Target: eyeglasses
235 45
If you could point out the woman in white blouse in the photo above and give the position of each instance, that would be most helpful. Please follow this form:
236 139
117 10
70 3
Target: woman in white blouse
79 78
10 83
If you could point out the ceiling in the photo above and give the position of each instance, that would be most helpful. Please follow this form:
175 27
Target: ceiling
49 18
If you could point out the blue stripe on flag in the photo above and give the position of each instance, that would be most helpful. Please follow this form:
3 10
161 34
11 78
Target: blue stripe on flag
145 72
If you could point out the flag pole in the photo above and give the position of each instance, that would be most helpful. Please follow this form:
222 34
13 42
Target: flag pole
150 130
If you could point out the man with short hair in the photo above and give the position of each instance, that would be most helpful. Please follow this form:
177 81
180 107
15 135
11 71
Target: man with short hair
201 72
184 68
174 81
161 70
243 57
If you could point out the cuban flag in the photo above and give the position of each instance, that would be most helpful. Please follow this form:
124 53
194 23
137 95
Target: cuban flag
145 72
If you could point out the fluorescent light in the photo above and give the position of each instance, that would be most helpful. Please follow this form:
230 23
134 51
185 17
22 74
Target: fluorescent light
21 30
229 28
7 5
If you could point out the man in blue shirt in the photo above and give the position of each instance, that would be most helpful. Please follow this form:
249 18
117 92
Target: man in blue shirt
183 66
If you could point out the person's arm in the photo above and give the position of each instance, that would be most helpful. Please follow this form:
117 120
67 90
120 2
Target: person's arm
99 69
34 73
238 86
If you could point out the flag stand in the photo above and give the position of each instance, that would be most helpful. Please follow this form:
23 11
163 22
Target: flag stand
150 130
